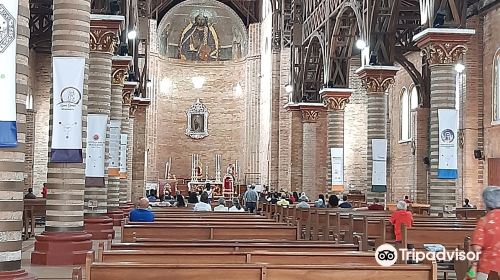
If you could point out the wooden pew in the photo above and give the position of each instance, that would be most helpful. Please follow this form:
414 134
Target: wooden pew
451 238
189 232
196 257
469 213
133 271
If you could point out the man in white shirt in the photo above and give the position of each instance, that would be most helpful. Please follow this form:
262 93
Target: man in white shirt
236 206
203 205
222 206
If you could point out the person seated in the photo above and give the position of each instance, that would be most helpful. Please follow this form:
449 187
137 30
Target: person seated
304 194
376 205
303 202
236 206
407 200
320 203
222 206
179 200
345 203
192 198
30 194
142 212
152 196
401 216
274 198
167 196
204 204
333 201
467 205
283 201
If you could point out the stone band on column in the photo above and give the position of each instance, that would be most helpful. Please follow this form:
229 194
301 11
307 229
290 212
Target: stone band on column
335 100
442 48
376 80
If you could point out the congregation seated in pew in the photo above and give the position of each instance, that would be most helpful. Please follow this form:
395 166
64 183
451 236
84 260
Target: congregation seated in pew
345 203
320 203
333 201
179 200
303 203
142 212
192 198
204 204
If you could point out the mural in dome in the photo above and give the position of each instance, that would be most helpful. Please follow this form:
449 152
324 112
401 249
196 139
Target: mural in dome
202 31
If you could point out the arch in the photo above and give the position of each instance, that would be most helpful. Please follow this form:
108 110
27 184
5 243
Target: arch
347 28
313 70
404 101
495 86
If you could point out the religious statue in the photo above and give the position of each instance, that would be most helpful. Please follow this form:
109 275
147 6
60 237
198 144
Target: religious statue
199 41
197 123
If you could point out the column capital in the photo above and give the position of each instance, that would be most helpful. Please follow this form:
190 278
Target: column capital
377 79
310 111
104 31
335 98
128 91
120 68
443 45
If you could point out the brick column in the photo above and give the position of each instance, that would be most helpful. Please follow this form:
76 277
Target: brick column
295 143
442 49
130 151
120 69
64 242
103 33
140 147
335 100
125 172
12 158
311 167
376 80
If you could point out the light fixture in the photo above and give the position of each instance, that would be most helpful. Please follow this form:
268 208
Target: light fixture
459 67
360 44
198 82
166 85
238 90
149 84
288 88
132 35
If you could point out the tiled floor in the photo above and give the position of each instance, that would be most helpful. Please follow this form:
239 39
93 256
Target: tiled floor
50 272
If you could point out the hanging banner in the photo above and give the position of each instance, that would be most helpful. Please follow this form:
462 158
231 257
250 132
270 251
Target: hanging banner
337 161
68 73
448 127
123 156
8 34
96 145
379 163
114 148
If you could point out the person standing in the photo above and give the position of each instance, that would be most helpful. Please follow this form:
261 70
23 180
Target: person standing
250 197
486 236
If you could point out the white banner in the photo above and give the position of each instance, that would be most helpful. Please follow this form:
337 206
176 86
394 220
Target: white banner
96 145
8 34
379 160
68 73
337 158
114 144
448 127
123 153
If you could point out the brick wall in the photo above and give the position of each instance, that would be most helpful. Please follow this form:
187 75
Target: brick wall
30 145
226 120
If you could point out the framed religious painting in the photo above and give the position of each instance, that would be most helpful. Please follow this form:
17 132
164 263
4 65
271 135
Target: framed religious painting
197 121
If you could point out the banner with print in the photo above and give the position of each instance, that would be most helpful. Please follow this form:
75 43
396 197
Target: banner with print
68 73
123 156
114 148
337 161
96 145
8 35
379 165
448 149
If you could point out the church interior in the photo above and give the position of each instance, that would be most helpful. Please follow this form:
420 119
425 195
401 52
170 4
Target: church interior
258 139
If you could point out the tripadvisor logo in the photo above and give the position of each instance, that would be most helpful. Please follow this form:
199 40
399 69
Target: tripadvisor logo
387 255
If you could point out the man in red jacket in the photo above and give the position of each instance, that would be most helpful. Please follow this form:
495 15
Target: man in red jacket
401 216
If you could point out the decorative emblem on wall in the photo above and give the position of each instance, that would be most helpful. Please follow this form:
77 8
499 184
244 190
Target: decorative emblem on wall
7 28
197 121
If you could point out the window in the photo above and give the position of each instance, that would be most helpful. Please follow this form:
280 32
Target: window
414 98
405 115
496 87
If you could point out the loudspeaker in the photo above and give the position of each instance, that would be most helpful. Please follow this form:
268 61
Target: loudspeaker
427 161
478 154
